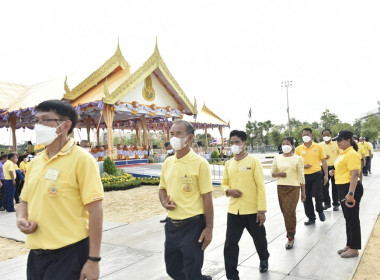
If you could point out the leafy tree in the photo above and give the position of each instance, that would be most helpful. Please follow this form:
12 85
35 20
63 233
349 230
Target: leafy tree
357 127
202 139
275 136
328 119
371 127
250 129
341 126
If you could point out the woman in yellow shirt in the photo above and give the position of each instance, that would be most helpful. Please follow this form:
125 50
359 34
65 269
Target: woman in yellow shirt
350 191
289 169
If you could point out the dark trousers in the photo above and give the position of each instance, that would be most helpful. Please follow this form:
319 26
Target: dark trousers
235 227
367 165
2 194
313 188
183 253
351 215
19 185
9 192
334 190
61 264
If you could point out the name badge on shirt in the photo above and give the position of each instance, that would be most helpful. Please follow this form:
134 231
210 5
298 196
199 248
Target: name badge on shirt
52 174
187 180
242 168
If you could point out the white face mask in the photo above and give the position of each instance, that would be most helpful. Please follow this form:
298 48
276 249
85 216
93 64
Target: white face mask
169 152
177 143
286 148
235 149
45 135
306 139
326 138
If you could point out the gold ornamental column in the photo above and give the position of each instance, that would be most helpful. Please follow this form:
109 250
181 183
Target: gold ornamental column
145 136
88 127
109 114
206 140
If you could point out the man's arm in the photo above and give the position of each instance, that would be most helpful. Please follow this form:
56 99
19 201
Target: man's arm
22 221
206 235
91 268
165 200
325 170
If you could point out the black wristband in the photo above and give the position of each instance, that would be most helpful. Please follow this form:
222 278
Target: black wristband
94 259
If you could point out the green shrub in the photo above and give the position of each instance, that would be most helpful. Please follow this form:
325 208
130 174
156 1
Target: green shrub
109 166
149 181
214 154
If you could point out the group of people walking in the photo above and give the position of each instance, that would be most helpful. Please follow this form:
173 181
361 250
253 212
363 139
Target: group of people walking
305 171
63 191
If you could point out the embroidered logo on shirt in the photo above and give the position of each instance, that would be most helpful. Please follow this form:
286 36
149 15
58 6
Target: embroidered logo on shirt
53 191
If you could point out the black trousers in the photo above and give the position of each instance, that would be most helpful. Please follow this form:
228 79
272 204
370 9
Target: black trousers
367 165
313 188
334 190
2 194
351 215
183 253
235 227
61 264
19 185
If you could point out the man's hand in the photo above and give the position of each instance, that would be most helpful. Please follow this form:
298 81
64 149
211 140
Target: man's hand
332 172
234 193
327 156
26 226
325 179
206 237
14 182
306 166
168 204
282 174
90 271
260 218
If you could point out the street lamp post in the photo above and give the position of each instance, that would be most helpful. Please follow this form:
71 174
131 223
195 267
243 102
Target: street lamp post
287 84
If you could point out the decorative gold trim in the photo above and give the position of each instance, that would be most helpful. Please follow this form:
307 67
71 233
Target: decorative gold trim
208 111
102 72
148 91
154 61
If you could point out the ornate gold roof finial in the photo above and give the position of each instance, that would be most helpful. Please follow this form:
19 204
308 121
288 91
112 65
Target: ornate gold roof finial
195 105
66 87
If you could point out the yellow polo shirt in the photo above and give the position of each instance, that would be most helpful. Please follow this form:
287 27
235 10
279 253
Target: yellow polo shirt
347 161
7 167
24 165
360 150
332 150
185 180
312 155
293 167
57 191
246 175
366 148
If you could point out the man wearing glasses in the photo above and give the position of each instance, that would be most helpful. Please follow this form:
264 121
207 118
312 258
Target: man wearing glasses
61 202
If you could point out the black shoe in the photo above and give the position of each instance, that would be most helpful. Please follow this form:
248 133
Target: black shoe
309 222
322 216
13 210
365 174
327 206
336 208
207 277
264 266
2 209
289 246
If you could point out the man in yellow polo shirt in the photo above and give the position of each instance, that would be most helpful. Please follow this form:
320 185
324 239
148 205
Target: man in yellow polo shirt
185 190
243 182
366 147
61 202
331 150
313 155
9 182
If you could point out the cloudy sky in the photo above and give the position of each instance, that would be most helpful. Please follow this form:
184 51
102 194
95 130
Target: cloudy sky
232 55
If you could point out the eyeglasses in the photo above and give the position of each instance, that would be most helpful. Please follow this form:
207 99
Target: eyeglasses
45 121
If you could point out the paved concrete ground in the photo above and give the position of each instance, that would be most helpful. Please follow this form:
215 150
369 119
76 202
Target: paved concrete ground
135 251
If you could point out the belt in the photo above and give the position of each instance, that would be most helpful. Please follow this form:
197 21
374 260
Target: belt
184 222
43 252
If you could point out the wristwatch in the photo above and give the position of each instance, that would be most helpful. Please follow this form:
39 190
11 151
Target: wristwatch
94 259
351 193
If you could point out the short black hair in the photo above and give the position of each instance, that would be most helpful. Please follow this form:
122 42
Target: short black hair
239 133
188 126
11 155
307 129
288 138
61 108
166 144
3 156
326 129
